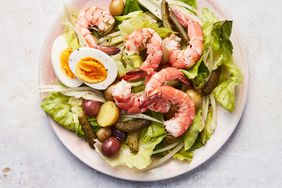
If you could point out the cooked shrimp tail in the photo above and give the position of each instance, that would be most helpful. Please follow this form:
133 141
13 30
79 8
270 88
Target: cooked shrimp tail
159 79
127 101
150 101
98 19
185 114
145 38
188 57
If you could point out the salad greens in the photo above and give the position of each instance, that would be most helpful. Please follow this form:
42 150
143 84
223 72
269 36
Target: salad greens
219 50
139 19
192 3
224 93
192 133
71 38
194 71
131 6
69 32
184 155
64 110
65 105
132 62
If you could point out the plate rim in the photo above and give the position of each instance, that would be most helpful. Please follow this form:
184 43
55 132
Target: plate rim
219 7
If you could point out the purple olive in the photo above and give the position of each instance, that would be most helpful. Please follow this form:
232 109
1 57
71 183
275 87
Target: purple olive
91 108
118 134
110 147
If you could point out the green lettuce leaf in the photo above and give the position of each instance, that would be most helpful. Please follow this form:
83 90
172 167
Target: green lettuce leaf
126 63
131 6
132 62
192 133
192 3
142 20
64 110
71 38
197 144
216 39
120 66
184 155
163 32
69 34
208 16
219 48
224 93
193 72
128 16
202 76
149 138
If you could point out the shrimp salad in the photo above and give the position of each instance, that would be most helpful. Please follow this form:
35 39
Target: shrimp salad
141 80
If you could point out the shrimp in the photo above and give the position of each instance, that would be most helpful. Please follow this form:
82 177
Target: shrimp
185 114
188 57
127 101
97 19
141 39
159 79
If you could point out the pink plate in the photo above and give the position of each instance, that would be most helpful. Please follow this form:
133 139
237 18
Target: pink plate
227 122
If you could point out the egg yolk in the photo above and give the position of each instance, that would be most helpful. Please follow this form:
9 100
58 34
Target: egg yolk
64 62
90 70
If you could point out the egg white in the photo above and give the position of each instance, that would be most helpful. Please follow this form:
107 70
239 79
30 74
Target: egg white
103 58
58 47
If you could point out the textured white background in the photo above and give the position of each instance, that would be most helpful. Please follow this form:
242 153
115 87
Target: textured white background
28 146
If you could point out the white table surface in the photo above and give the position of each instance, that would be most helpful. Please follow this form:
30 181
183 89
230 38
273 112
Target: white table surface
28 146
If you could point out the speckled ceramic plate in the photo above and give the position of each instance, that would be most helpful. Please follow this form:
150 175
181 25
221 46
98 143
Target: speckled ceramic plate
227 122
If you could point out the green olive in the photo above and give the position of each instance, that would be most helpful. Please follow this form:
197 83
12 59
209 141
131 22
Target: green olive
196 97
116 7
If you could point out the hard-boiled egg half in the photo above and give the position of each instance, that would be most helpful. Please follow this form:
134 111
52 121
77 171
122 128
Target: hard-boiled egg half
93 67
60 61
